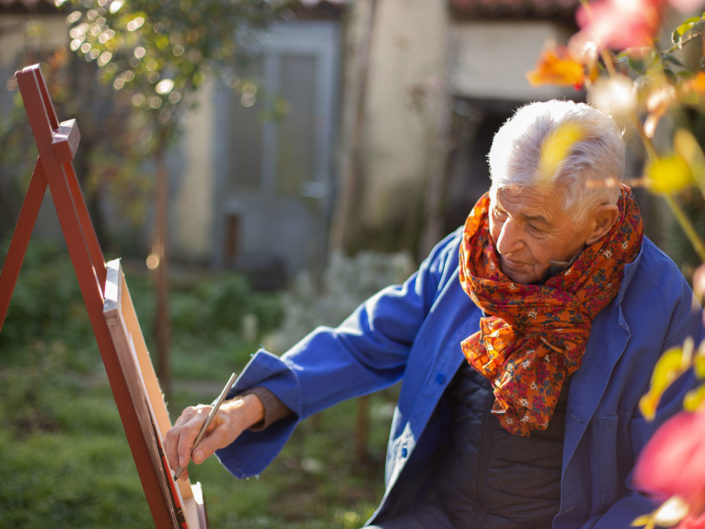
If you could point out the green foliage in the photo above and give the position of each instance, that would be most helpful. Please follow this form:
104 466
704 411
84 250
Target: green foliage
223 301
222 313
689 29
161 52
47 316
80 480
15 165
347 282
46 305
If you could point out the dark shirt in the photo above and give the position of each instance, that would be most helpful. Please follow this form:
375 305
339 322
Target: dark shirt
489 478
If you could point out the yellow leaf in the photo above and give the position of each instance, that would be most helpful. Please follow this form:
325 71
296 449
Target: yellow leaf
674 362
685 144
699 366
669 174
646 520
557 146
648 404
694 399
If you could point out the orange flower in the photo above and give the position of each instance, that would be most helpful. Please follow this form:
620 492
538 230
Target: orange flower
558 67
697 83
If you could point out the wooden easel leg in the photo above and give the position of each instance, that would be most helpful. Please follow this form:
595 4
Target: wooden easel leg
20 238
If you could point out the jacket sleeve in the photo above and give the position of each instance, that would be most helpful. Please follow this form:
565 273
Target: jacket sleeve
367 352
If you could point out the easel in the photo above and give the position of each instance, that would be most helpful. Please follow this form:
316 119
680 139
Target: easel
135 387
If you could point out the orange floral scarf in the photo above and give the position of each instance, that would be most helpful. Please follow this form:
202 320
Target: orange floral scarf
534 336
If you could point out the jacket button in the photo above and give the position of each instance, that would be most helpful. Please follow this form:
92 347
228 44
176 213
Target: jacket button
440 378
404 452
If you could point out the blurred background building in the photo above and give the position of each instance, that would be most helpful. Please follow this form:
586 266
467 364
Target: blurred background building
354 124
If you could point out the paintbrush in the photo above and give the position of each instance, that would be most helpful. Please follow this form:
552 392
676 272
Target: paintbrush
209 419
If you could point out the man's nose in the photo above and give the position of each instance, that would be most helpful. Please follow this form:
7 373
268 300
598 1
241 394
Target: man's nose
509 239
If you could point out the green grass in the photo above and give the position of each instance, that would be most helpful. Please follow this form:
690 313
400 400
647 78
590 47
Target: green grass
65 461
70 466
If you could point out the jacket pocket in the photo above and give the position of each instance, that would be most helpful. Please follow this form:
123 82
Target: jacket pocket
605 443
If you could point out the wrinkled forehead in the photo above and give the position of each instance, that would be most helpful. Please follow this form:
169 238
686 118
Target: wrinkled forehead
547 193
530 202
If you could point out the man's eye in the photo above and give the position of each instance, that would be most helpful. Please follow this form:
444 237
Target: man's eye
500 214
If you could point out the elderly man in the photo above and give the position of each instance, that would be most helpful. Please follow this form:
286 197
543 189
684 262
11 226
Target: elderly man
524 342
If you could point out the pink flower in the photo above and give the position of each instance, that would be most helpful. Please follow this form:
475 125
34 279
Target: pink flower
673 463
687 6
620 24
691 522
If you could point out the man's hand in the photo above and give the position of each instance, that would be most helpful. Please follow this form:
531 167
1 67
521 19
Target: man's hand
233 417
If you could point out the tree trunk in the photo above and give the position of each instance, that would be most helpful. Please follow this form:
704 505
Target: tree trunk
158 261
358 57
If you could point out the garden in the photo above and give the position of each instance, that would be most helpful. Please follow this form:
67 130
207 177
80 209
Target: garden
65 460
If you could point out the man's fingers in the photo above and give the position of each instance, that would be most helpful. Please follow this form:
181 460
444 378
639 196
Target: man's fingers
179 439
171 443
209 444
185 416
172 439
227 425
187 436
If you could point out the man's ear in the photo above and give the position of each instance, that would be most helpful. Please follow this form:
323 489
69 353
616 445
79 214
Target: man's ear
602 218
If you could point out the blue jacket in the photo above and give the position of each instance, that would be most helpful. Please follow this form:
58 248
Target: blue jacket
413 331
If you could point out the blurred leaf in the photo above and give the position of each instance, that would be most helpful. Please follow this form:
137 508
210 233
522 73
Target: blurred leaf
646 520
669 174
673 363
692 90
670 58
694 399
685 144
699 366
557 146
557 67
661 96
637 64
690 29
699 361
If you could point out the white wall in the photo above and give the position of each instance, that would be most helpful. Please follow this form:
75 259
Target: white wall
408 56
191 209
489 58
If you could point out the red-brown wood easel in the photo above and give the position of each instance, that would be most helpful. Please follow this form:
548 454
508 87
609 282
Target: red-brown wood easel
135 387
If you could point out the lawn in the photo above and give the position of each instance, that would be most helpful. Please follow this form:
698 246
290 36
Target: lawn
65 460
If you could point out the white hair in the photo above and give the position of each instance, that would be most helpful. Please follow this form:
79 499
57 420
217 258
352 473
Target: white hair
589 173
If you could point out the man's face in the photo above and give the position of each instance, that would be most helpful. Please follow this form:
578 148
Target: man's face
529 230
